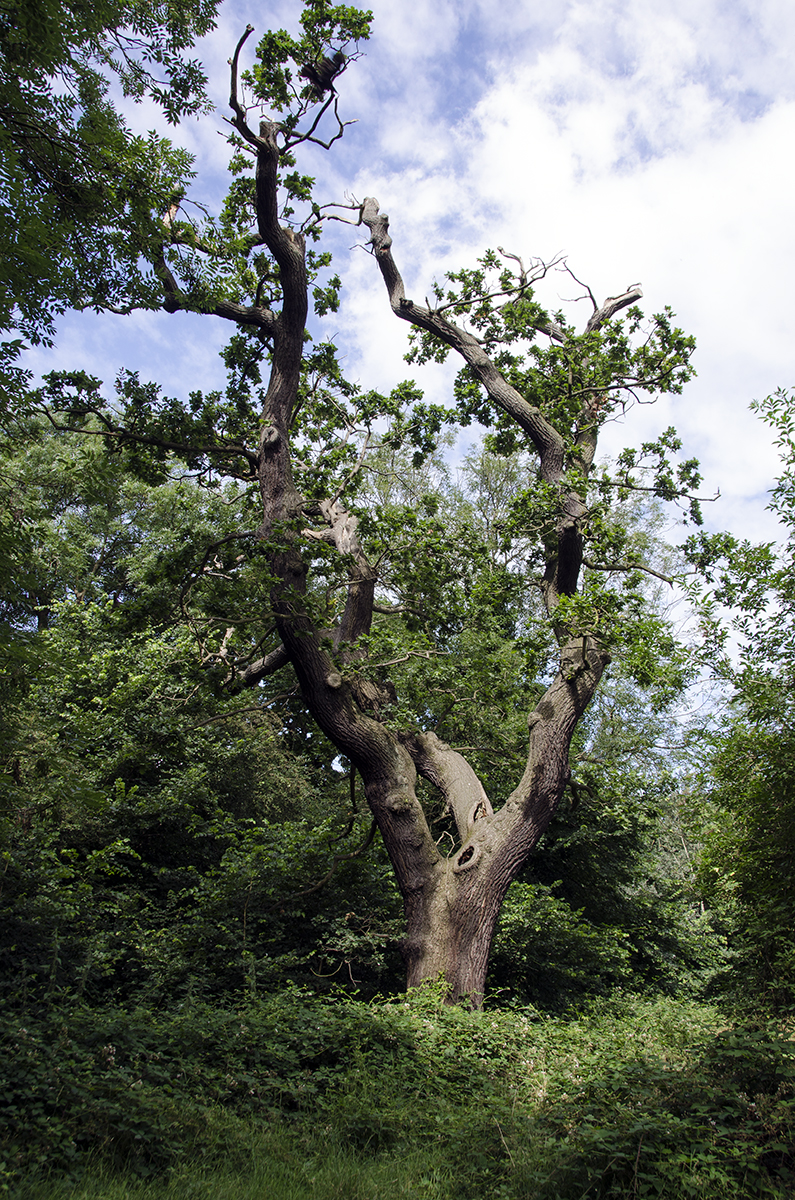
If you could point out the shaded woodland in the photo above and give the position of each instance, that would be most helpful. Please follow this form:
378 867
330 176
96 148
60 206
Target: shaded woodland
355 838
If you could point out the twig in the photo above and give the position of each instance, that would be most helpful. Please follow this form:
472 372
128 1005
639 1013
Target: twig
426 654
505 1144
592 566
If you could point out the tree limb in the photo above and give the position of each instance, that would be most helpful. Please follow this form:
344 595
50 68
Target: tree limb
548 442
240 122
625 567
257 671
456 780
612 305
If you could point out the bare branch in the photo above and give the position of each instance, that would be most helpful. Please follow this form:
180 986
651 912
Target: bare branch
240 123
612 305
392 662
454 777
354 469
591 296
680 494
626 567
547 440
252 675
519 290
295 139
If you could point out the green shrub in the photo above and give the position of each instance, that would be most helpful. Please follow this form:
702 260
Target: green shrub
405 1097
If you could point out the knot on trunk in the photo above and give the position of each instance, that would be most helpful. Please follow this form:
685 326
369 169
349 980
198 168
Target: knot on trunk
544 711
467 859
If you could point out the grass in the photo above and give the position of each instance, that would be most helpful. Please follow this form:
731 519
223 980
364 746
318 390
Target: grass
272 1175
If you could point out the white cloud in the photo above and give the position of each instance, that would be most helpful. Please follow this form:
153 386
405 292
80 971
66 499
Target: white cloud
626 141
648 142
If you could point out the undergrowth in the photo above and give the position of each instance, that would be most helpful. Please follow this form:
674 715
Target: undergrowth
295 1096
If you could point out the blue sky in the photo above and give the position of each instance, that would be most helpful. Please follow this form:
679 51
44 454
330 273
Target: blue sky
648 142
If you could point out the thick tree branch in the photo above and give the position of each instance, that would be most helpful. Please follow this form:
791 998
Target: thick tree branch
545 437
612 305
240 122
530 807
451 773
564 551
387 772
252 315
358 615
253 674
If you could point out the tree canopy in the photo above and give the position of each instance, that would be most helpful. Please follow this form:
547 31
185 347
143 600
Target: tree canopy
80 194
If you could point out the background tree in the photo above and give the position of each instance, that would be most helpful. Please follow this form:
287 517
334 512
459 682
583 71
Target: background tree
153 828
79 193
747 866
351 589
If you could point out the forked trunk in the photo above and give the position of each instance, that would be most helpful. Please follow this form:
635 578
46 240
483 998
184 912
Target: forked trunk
449 937
452 903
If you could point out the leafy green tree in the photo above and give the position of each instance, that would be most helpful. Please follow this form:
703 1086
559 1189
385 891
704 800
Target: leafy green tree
748 613
610 896
79 193
134 794
379 611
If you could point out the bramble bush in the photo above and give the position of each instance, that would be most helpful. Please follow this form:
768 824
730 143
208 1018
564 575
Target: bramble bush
632 1098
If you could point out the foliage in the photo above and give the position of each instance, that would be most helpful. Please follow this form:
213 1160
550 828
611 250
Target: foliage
612 364
635 1098
190 891
748 864
610 897
80 195
147 850
167 834
156 824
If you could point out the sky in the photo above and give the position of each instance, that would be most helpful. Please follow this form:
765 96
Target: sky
646 142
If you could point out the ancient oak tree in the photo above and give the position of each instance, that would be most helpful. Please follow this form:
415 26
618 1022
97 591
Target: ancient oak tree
343 605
